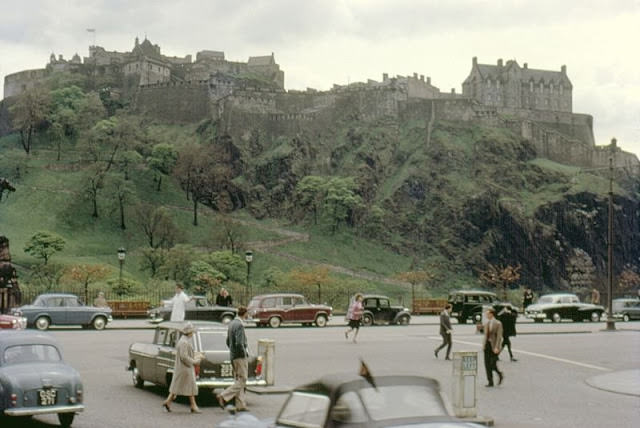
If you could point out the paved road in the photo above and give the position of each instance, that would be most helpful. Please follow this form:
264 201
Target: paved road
550 385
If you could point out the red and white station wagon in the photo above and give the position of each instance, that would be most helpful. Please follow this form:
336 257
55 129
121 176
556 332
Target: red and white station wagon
12 322
286 308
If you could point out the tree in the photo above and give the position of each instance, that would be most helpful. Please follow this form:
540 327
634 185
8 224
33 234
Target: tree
43 245
157 225
500 277
124 286
122 193
310 192
415 277
152 260
86 274
29 112
93 184
341 200
229 234
628 280
127 160
47 276
162 161
108 138
178 261
317 276
231 265
204 277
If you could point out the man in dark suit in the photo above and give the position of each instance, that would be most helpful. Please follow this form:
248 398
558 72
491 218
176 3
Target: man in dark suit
445 332
508 319
492 346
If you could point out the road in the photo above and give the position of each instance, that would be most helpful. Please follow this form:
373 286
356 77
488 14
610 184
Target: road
546 387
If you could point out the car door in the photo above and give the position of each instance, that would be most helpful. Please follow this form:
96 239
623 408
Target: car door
371 305
384 310
147 358
287 309
301 310
165 361
568 308
75 312
56 310
633 309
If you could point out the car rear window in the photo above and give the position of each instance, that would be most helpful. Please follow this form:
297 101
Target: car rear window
402 401
31 353
213 341
304 410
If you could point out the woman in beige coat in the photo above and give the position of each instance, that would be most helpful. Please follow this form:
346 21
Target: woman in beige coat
183 381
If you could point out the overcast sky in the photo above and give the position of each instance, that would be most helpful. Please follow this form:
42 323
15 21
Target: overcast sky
321 42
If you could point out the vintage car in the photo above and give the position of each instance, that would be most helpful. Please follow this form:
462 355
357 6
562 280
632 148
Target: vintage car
348 400
471 304
626 309
378 310
556 307
63 309
197 309
34 380
154 361
12 322
287 308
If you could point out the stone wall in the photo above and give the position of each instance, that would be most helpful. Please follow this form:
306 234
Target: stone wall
174 103
16 83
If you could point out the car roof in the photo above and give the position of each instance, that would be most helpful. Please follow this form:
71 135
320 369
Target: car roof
626 299
56 295
22 337
559 294
264 296
378 296
472 292
198 325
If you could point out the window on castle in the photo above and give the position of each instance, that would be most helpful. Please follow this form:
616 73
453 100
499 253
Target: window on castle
561 89
498 84
488 83
551 88
530 86
541 87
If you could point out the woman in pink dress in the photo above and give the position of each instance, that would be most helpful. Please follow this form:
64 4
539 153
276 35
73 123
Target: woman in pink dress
354 316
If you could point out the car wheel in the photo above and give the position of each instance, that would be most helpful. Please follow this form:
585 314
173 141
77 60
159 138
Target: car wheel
226 319
42 323
625 318
367 319
556 317
274 322
595 317
477 318
404 320
138 382
66 419
321 321
99 323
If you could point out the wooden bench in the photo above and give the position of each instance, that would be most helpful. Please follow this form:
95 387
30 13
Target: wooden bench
428 306
129 308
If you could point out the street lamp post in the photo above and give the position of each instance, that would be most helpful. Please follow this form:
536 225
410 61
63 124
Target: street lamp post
121 255
611 325
248 257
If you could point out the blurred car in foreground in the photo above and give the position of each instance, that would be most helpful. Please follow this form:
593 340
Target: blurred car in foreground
378 310
63 309
626 309
197 309
348 400
34 380
12 322
154 361
286 308
559 306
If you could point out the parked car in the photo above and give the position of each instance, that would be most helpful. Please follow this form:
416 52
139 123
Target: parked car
197 309
559 306
626 309
347 400
154 361
63 309
471 304
287 308
378 310
12 322
34 380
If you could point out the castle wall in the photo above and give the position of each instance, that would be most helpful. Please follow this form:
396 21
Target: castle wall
16 83
174 103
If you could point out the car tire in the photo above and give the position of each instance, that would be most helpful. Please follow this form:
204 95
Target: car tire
477 318
367 320
274 322
42 323
138 382
66 419
99 323
595 317
403 320
556 317
226 319
625 318
321 321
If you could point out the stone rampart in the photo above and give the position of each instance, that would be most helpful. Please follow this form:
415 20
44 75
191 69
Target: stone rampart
16 83
179 103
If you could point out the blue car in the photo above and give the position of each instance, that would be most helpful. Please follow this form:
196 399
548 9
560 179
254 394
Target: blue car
34 380
63 309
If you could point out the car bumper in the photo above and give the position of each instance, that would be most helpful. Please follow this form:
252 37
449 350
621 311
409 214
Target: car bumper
33 411
223 383
536 316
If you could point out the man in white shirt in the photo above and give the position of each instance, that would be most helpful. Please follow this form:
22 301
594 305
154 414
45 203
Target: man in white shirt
178 303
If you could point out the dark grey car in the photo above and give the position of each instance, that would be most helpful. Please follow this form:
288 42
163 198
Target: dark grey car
34 380
63 309
626 309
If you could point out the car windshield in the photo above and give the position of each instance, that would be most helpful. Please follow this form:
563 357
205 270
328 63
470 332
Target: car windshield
31 353
39 301
545 299
213 341
304 410
402 401
254 303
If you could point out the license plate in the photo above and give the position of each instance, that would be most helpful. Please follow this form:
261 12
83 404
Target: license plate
47 397
226 370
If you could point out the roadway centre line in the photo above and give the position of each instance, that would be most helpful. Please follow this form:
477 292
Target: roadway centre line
535 354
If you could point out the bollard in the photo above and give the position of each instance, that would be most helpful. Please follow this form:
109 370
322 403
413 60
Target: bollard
465 372
267 349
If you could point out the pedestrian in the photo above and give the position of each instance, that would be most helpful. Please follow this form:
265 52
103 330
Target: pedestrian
492 346
527 297
508 319
100 301
223 298
183 381
354 317
239 355
595 297
445 331
178 302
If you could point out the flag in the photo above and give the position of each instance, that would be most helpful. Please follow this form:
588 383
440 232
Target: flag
365 373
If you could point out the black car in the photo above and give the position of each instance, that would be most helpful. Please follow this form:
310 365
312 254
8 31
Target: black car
469 304
197 309
378 310
559 306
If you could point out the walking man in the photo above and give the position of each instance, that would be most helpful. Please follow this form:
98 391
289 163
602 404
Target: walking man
527 297
237 343
492 347
445 331
508 319
354 316
178 303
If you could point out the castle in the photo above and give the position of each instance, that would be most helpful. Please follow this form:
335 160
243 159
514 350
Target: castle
536 104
